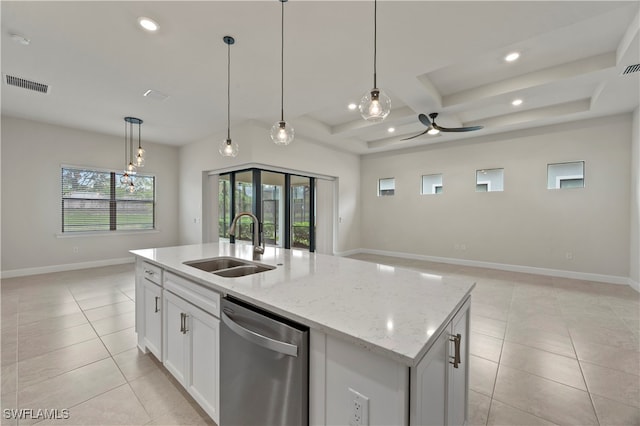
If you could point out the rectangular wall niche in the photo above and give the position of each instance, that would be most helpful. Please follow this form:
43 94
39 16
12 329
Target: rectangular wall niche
489 180
386 186
431 184
565 175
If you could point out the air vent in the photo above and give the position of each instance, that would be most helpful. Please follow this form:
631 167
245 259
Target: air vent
26 84
631 68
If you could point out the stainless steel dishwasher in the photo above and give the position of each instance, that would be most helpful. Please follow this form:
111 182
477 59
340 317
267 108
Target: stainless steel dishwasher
264 368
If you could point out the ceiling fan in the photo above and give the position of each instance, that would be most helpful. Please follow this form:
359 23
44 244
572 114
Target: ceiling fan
434 129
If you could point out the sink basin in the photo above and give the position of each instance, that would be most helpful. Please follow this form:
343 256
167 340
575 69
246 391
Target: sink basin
241 271
217 263
229 267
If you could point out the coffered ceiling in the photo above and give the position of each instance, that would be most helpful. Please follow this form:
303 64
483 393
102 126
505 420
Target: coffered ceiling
445 57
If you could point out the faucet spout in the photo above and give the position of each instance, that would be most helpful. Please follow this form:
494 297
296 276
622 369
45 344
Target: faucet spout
257 230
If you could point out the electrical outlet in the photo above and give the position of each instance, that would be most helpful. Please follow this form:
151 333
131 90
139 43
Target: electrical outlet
358 409
568 255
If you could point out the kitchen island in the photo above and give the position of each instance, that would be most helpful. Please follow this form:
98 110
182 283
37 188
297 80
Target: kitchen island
398 338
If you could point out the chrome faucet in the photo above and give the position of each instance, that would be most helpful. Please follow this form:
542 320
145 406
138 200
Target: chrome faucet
257 248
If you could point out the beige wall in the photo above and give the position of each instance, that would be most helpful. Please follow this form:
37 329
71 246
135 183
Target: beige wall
32 156
584 230
634 247
256 147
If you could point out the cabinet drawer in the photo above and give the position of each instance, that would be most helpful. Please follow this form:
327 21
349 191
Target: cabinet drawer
202 297
152 272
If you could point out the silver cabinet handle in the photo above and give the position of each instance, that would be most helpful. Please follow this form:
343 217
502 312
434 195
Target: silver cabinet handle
456 339
157 309
259 339
183 323
149 272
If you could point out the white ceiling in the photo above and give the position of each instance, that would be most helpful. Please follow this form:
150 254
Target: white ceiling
444 57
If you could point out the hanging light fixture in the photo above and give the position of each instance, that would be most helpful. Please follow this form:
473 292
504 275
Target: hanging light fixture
130 163
141 151
375 105
227 147
281 132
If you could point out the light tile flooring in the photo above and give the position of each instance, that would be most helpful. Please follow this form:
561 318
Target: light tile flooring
548 350
68 342
544 350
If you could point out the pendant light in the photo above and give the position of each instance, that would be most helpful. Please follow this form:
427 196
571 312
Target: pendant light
227 147
281 132
130 167
375 105
140 156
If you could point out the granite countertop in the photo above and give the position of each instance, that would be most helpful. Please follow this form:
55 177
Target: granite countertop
388 310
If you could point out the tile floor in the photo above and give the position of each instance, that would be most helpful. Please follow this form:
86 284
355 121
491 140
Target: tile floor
548 350
544 350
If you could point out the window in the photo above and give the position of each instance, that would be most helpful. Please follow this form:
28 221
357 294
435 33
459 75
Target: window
386 186
431 184
565 175
489 180
95 200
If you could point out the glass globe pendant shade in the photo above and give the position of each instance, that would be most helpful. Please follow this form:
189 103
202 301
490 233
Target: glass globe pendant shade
124 179
228 148
140 157
375 105
131 169
281 134
132 187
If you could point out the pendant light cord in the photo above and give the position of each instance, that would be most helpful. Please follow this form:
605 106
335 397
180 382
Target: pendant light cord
282 64
375 41
139 133
126 163
228 92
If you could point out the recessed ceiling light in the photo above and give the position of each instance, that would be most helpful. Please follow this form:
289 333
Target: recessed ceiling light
512 56
148 24
516 102
352 106
391 129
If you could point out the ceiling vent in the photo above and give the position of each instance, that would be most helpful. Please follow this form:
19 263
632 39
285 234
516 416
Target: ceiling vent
631 69
26 84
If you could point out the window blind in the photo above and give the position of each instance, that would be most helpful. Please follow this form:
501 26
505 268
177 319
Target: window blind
94 200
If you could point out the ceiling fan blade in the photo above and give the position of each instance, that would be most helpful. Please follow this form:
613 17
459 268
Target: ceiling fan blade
457 129
413 137
424 120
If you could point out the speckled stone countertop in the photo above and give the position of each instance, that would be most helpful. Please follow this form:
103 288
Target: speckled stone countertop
388 310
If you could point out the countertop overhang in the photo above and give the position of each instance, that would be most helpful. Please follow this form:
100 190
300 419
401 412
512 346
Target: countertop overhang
388 310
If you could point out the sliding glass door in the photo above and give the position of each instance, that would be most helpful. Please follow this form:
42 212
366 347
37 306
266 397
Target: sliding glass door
285 205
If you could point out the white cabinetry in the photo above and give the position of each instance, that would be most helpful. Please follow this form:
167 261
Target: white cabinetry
439 383
149 308
191 340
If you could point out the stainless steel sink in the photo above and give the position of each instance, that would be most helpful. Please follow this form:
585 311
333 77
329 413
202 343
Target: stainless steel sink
241 271
229 267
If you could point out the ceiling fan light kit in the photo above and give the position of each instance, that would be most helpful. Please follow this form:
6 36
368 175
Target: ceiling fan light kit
434 129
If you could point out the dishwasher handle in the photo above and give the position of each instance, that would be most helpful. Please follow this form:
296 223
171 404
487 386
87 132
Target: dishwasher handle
259 339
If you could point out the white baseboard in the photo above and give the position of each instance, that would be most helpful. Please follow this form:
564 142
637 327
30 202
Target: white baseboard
65 267
634 285
347 252
611 279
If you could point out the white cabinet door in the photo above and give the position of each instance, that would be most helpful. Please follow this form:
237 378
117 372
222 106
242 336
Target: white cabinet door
152 296
459 377
175 348
203 331
440 381
429 385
